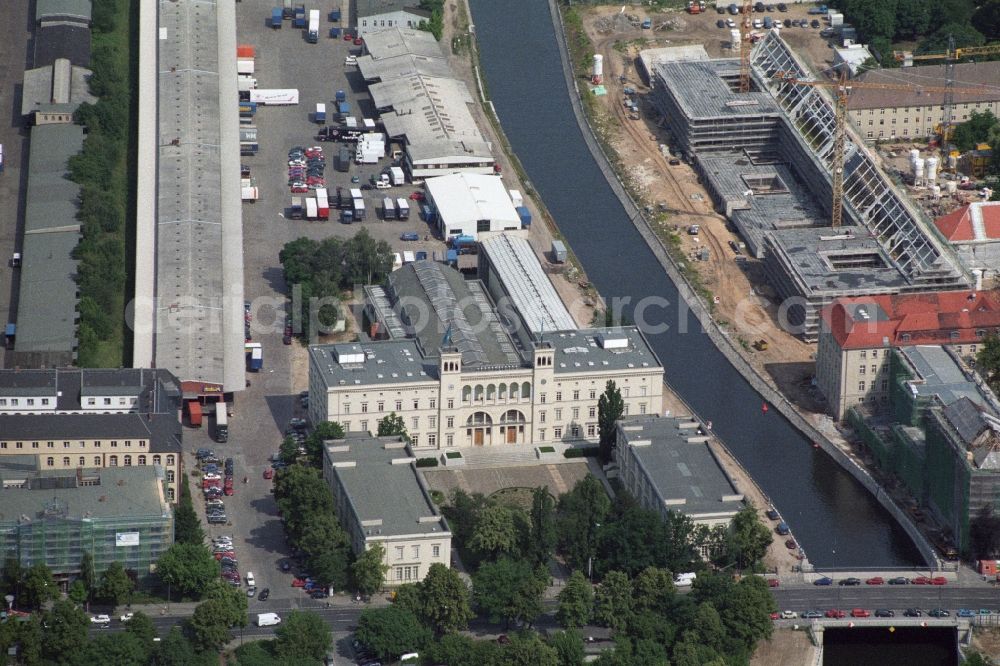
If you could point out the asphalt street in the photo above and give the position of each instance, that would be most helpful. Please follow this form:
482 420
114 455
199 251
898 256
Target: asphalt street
894 597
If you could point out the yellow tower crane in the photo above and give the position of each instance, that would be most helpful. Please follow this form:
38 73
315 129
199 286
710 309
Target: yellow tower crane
843 90
746 27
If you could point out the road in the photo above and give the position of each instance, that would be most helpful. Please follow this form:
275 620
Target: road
895 597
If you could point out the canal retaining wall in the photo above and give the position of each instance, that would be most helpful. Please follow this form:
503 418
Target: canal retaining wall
700 309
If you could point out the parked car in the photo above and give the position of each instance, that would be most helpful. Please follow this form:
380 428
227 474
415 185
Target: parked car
721 23
825 580
203 453
939 612
966 612
860 612
773 582
788 615
409 236
811 615
100 619
264 594
318 594
814 23
251 592
876 580
913 612
884 612
269 473
772 514
849 581
126 617
939 580
921 580
899 580
286 566
836 614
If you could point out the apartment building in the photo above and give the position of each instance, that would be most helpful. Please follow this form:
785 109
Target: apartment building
857 335
896 114
359 470
83 418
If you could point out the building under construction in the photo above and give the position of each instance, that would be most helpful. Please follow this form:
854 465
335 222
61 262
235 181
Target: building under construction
765 157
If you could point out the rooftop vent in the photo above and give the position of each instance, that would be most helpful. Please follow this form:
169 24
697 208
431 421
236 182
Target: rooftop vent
612 340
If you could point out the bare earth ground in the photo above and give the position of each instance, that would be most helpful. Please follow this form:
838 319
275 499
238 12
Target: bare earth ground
987 641
786 647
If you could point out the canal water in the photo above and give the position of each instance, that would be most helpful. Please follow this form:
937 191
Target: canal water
836 521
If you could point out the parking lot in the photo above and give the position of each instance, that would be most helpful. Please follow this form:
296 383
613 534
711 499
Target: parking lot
15 38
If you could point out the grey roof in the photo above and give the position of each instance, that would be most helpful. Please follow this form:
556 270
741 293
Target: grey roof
199 244
581 350
62 40
50 10
679 469
435 302
702 90
939 374
966 417
158 390
406 509
386 362
527 285
394 42
162 430
968 75
376 7
60 87
387 69
426 107
118 493
47 302
822 260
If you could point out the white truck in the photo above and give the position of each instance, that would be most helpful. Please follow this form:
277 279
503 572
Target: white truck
246 83
268 619
398 177
312 34
274 96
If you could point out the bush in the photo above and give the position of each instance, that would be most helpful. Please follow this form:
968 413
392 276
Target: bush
451 455
546 449
587 452
427 462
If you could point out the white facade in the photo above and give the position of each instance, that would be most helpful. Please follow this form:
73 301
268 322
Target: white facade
397 19
470 204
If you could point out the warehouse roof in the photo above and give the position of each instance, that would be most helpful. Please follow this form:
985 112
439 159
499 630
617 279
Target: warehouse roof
62 40
376 7
199 243
47 302
977 222
387 69
106 493
426 107
680 466
983 76
365 467
394 42
524 281
470 196
52 10
59 87
590 349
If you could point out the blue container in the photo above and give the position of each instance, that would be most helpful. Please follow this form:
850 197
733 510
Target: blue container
334 16
452 256
276 18
335 32
341 96
525 216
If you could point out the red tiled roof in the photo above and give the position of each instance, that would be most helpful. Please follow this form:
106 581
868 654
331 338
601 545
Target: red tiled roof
957 225
929 318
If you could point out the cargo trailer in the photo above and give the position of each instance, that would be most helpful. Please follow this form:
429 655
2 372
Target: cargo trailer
276 17
402 209
398 177
343 160
222 421
312 34
359 209
525 216
274 96
320 115
322 204
312 210
388 209
250 194
296 212
245 66
559 252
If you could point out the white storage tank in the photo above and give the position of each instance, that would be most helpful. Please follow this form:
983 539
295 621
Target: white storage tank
598 73
937 192
734 38
952 187
918 171
931 166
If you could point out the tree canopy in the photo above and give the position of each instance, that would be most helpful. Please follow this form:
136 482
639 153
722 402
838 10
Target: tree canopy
391 632
610 408
303 636
187 568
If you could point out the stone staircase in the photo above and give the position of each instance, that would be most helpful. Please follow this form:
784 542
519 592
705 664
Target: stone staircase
511 456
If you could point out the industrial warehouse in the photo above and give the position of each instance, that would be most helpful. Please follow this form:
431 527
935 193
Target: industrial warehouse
772 179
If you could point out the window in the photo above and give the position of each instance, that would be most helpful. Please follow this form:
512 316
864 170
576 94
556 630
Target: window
558 396
170 460
576 395
30 402
399 552
449 440
642 390
364 425
128 461
399 406
590 430
450 422
432 440
415 422
97 461
576 413
593 394
381 406
34 445
864 353
861 386
861 369
435 551
347 408
50 461
541 398
415 552
559 414
625 392
575 430
142 460
83 461
874 353
642 408
156 460
364 408
541 434
451 403
170 476
433 404
415 439
592 412
557 433
874 369
541 416
107 402
885 384
170 494
432 421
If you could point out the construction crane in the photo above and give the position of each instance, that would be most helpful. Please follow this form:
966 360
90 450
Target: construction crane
951 54
843 90
746 27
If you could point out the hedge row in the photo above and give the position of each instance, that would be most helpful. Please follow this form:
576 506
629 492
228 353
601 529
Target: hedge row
587 452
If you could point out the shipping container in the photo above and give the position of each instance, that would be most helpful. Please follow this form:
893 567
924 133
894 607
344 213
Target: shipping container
10 333
525 216
276 17
347 216
275 96
246 83
244 66
516 198
312 210
408 257
295 212
194 413
320 115
248 148
402 209
340 96
334 15
248 133
359 209
299 18
248 109
356 193
250 194
343 160
559 251
287 11
388 209
322 204
245 51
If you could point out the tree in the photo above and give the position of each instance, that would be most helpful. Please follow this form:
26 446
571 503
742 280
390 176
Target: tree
322 534
576 601
463 514
748 538
175 650
302 495
187 526
461 650
39 586
210 625
914 19
746 611
613 600
568 646
78 592
984 534
543 526
331 569
392 425
409 596
653 589
120 648
88 574
963 34
987 19
304 636
12 575
30 636
141 626
444 600
509 590
187 568
66 631
116 586
390 632
526 649
495 533
988 359
636 538
872 19
369 570
976 659
610 408
975 130
581 512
